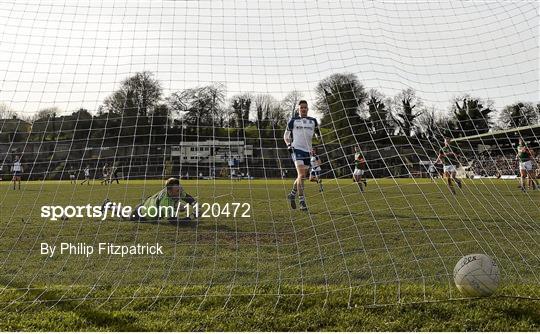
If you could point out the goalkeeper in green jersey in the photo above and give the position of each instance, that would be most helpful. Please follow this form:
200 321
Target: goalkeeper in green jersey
164 205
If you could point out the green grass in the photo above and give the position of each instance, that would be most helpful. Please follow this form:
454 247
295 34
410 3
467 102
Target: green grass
381 260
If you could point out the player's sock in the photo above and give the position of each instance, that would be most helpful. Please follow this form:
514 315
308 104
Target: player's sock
303 205
293 193
292 199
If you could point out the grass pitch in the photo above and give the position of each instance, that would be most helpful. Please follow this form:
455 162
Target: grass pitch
379 260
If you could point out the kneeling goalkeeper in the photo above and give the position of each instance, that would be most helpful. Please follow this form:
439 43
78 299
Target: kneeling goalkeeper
166 203
163 205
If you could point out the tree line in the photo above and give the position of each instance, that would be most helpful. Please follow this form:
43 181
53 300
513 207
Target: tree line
350 112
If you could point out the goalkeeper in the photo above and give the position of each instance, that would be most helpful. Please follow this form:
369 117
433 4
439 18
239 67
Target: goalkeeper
163 205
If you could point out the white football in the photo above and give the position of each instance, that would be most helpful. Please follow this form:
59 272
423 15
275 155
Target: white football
476 275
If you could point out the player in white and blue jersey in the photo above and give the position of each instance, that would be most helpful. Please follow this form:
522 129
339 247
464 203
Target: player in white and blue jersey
315 174
298 137
86 175
17 170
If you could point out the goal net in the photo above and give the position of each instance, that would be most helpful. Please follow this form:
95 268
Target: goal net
102 102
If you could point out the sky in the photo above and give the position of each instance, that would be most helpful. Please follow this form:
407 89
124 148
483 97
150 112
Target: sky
73 54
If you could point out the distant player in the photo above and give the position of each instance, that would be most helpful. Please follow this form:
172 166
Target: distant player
17 170
315 174
449 159
298 137
432 170
525 157
86 175
106 175
114 174
359 169
232 171
72 179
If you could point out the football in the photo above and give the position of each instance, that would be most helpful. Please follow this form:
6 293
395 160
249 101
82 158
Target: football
476 275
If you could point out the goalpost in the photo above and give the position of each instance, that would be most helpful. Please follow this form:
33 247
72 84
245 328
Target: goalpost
138 92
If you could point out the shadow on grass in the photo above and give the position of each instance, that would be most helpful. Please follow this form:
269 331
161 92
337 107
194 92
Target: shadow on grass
90 316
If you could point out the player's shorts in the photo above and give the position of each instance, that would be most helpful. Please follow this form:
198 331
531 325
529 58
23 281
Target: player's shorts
72 176
301 158
358 172
16 173
449 169
315 172
527 165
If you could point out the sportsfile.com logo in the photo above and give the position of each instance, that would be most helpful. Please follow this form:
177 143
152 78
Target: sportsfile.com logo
109 210
117 210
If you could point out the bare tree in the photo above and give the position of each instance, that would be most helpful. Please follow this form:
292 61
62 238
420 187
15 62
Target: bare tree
278 116
51 112
6 111
402 111
290 102
264 103
137 95
199 106
518 114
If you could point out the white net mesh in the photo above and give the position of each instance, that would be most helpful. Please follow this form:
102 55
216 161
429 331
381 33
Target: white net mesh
106 100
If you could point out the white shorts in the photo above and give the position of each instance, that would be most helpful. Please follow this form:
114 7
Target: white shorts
527 165
315 172
449 169
358 172
72 176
